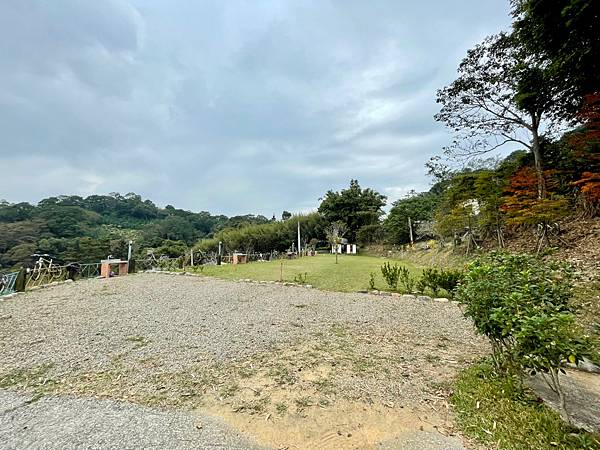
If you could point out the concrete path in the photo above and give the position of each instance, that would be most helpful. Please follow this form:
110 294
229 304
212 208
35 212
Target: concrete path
75 423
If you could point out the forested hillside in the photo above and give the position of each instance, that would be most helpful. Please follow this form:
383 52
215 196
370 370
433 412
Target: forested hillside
73 228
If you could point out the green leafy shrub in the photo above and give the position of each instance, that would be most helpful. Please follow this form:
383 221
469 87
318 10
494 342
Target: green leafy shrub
372 281
438 279
301 278
521 303
407 281
391 274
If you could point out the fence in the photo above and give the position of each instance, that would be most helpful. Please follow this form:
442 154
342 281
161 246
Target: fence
158 264
41 276
7 283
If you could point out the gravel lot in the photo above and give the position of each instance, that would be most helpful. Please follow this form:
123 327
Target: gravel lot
73 423
188 342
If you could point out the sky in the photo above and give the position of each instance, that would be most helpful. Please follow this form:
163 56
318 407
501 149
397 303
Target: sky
231 107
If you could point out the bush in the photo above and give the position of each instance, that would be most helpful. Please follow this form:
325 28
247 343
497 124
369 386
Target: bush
301 278
391 274
372 281
407 281
521 303
437 279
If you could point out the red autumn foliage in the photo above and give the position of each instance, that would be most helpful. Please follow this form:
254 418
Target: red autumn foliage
522 205
585 145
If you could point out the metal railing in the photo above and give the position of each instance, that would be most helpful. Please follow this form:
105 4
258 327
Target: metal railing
158 264
43 276
90 270
7 282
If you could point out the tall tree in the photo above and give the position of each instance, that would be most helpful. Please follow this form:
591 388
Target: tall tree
563 35
356 207
417 207
501 96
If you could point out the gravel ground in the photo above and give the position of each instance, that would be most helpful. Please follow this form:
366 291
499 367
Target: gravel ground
187 319
185 342
73 423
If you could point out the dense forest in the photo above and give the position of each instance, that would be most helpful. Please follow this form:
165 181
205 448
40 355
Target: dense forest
73 228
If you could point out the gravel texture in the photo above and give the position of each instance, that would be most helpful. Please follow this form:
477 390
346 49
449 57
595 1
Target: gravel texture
73 423
188 319
183 342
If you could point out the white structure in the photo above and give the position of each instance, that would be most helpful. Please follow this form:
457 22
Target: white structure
344 248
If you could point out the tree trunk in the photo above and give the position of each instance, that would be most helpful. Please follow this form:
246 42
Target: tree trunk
562 404
537 157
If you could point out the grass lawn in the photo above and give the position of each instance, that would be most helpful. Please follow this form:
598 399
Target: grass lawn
349 275
498 413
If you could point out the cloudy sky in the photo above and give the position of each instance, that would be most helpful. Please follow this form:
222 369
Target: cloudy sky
227 106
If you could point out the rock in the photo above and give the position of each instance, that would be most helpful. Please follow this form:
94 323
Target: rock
68 280
587 366
424 298
408 297
441 300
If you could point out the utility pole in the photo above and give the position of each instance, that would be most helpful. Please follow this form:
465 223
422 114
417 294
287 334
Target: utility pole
299 246
410 230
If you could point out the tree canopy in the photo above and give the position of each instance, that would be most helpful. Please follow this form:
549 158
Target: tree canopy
563 36
354 206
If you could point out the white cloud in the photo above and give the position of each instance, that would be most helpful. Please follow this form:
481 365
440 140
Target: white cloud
231 106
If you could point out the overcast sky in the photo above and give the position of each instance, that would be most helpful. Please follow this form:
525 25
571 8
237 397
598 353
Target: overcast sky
227 106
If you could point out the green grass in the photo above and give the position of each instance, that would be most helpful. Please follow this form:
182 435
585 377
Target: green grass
349 275
499 414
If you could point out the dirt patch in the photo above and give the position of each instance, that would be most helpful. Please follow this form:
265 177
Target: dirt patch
345 425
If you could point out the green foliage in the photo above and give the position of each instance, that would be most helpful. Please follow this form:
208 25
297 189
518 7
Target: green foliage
522 304
301 278
391 274
356 207
73 228
563 35
265 237
438 279
499 413
372 281
407 280
370 234
419 207
172 249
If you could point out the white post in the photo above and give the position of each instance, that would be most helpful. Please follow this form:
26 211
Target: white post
299 246
129 251
192 257
410 231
